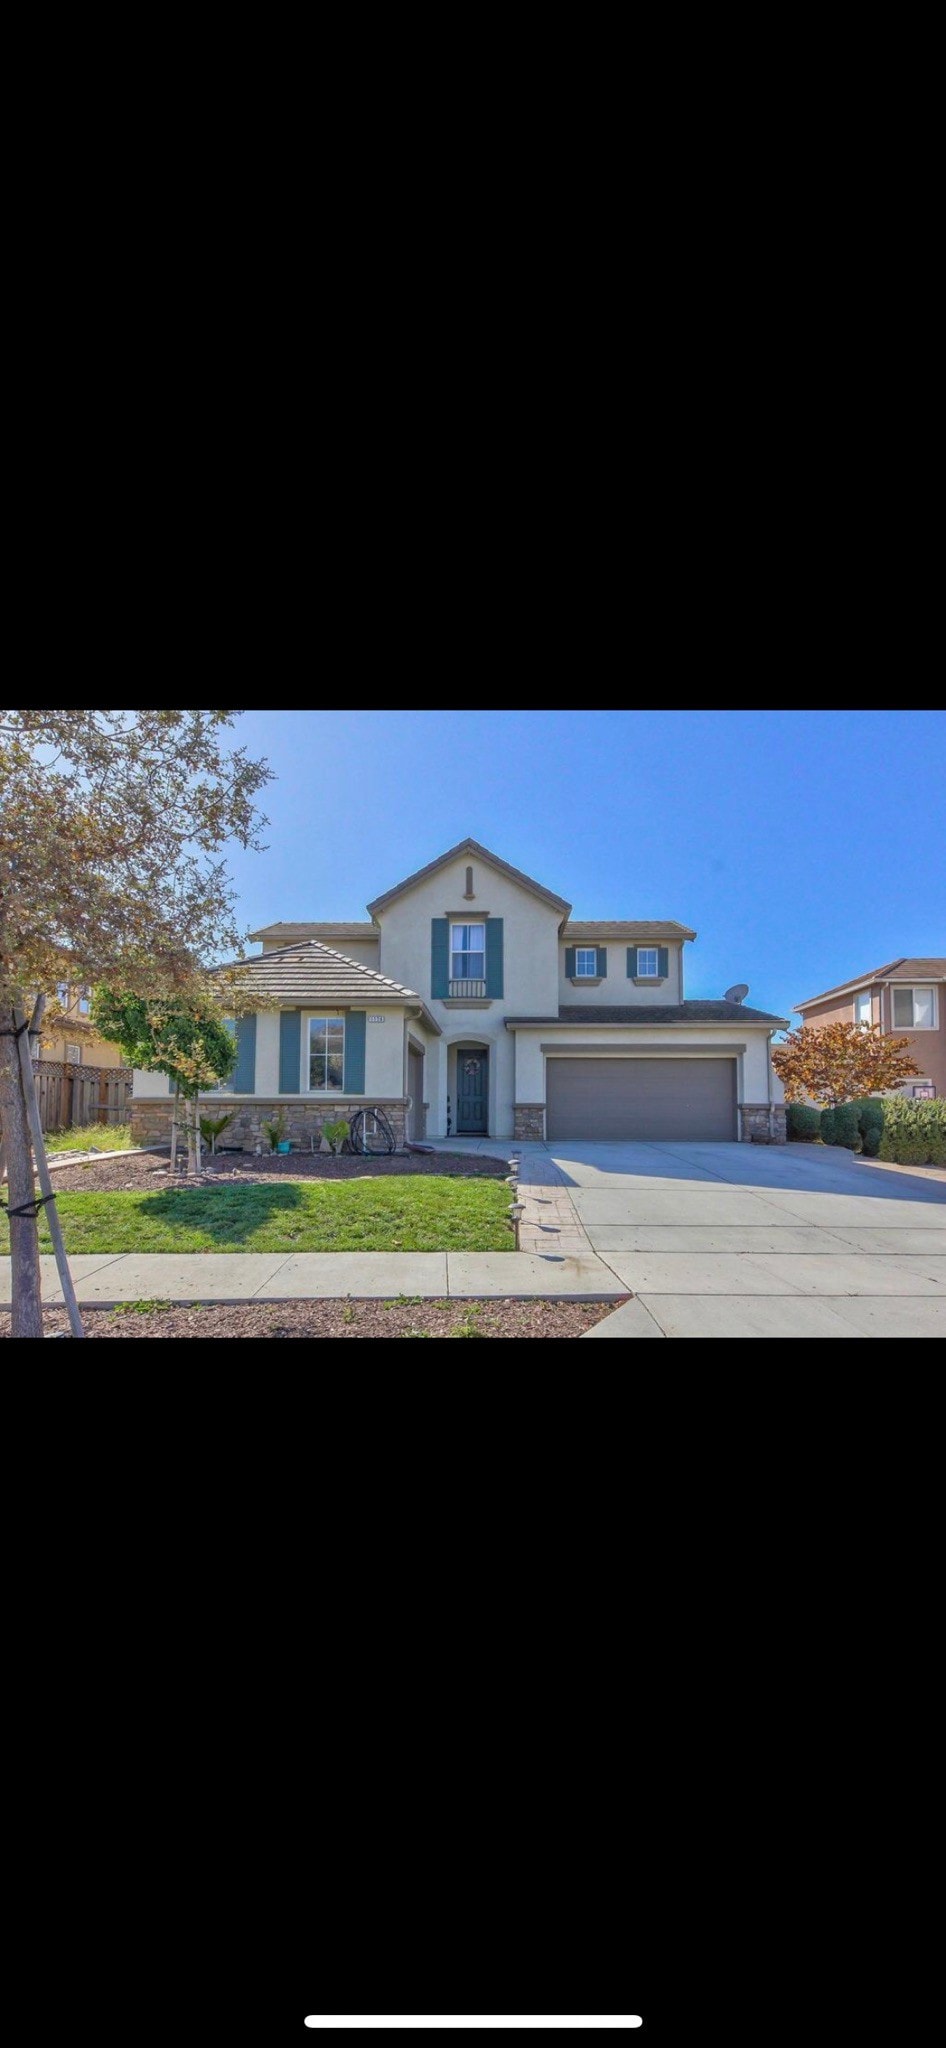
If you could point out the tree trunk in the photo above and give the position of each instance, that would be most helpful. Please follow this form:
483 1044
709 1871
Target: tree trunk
24 1235
42 1169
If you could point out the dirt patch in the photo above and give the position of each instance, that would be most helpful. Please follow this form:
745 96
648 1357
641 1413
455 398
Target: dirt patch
401 1318
151 1171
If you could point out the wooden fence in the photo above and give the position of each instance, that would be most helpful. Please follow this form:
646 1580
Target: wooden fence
81 1095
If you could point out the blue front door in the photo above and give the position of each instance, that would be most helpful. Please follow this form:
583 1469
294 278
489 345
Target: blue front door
472 1079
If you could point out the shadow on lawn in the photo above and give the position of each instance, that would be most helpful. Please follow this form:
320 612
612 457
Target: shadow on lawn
228 1216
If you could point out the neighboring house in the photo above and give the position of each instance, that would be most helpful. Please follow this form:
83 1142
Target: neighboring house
472 1005
907 998
72 1036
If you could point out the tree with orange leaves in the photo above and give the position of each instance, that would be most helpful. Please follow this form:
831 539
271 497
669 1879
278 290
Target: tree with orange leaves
832 1063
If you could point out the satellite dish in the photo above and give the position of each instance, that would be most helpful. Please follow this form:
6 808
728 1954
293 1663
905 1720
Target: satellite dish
737 993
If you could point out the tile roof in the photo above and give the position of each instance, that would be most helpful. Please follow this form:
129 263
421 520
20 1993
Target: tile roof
627 928
471 846
905 969
313 973
288 931
696 1012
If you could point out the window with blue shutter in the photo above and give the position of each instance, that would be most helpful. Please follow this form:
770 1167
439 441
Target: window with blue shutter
602 953
290 1051
244 1073
494 956
439 957
663 962
570 962
355 1053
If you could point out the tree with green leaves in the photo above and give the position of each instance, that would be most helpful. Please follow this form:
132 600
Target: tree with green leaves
188 1041
112 831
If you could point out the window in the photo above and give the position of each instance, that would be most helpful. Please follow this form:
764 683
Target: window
85 994
62 994
586 962
74 1055
862 1009
647 968
467 952
327 1052
913 1009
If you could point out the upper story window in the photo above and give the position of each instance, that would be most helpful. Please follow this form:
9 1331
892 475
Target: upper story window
62 994
467 952
914 1009
468 959
326 1053
586 962
647 964
862 1009
85 997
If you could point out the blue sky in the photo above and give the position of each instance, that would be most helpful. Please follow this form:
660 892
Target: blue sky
803 847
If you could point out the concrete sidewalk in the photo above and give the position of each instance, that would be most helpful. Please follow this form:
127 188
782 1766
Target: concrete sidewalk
104 1279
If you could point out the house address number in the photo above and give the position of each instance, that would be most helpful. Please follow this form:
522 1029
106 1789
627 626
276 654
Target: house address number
376 1020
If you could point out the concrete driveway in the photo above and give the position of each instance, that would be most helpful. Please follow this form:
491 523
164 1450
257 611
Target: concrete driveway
751 1240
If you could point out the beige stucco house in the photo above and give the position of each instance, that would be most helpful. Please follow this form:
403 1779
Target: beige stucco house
471 1004
907 998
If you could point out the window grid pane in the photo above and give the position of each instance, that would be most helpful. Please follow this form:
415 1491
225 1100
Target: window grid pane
326 1053
646 961
586 961
903 1007
923 1009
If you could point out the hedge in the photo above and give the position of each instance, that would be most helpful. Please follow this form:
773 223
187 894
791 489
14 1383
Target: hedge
803 1121
914 1133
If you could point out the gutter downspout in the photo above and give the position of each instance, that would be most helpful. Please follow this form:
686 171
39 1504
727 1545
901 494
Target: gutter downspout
768 1083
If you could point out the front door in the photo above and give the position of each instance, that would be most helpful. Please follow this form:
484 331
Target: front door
472 1078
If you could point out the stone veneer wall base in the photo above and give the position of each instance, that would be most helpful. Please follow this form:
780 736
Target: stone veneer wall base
529 1121
763 1120
151 1119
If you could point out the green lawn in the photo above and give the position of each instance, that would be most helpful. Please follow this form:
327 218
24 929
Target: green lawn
429 1214
103 1137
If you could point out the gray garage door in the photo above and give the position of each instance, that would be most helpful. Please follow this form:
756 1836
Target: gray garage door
611 1100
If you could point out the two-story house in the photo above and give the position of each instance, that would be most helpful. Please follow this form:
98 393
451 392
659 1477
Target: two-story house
470 1004
906 998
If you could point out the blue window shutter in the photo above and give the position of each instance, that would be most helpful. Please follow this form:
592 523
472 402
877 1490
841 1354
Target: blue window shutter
439 957
355 1052
631 962
602 952
494 956
663 962
170 1084
290 1051
570 961
244 1073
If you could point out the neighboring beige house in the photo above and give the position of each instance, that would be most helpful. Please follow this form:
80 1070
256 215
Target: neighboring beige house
72 1036
471 1004
907 998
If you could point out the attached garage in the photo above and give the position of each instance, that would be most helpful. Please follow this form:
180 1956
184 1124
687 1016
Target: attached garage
650 1099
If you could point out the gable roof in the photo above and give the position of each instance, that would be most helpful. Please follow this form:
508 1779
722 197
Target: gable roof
471 846
287 931
903 969
312 973
627 928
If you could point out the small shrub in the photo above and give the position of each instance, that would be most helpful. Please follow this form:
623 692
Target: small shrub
276 1130
212 1127
827 1127
846 1126
336 1133
804 1121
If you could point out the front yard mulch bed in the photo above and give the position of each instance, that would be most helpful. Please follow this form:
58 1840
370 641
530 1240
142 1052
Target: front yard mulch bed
274 1319
152 1170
